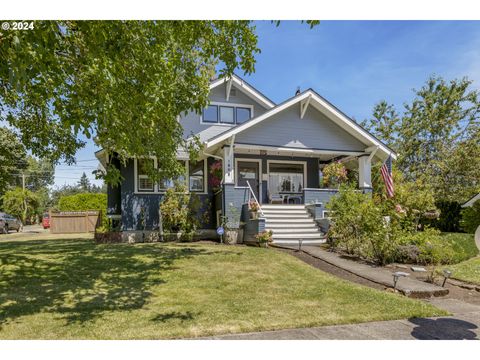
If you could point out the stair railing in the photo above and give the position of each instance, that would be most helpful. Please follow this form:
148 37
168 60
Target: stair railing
255 198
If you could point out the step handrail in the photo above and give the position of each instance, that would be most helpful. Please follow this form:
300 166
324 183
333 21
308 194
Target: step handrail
255 198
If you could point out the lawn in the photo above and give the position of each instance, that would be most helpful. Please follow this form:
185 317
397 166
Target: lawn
74 289
468 271
463 245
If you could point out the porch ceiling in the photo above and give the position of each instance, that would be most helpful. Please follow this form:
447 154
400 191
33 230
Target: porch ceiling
322 155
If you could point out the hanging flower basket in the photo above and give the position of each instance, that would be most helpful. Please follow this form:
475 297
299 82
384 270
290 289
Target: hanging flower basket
215 178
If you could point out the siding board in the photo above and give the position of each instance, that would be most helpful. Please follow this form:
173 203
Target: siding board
314 131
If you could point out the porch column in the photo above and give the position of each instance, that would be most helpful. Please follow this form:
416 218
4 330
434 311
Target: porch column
365 173
228 165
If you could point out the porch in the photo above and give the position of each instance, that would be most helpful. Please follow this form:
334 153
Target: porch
290 176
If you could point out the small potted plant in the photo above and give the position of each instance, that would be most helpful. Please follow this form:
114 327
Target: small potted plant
253 208
264 238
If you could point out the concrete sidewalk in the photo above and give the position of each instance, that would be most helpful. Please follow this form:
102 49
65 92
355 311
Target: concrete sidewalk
408 286
463 326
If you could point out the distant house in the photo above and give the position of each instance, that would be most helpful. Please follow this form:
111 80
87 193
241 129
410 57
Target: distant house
471 201
277 150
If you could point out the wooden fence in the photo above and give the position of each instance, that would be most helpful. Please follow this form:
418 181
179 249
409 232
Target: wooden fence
74 221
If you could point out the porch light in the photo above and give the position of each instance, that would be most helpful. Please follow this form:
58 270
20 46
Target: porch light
446 274
396 276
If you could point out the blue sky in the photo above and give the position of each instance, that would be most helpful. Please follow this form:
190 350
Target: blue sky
354 64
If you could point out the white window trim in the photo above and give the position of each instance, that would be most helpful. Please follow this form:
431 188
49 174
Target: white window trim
260 174
157 191
205 177
218 123
304 163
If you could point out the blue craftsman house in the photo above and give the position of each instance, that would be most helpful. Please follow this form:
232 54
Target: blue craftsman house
270 152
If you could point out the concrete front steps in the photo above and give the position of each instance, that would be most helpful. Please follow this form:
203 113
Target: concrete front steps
290 224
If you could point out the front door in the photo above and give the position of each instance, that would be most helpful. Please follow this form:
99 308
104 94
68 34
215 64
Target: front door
249 171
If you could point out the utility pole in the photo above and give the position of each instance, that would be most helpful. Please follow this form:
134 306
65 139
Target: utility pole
24 199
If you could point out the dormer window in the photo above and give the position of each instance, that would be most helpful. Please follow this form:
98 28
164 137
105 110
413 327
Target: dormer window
226 113
243 114
210 114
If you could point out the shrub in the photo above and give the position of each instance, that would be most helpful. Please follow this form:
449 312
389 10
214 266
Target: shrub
361 226
83 202
264 237
334 174
14 202
471 218
449 219
180 211
428 247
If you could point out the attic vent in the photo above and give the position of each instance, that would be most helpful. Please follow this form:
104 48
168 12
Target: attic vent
233 92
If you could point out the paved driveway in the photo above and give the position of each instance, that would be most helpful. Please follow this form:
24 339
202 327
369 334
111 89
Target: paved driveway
37 232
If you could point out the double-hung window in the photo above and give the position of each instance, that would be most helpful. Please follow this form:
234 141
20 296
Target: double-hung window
243 114
145 183
196 178
167 183
210 114
227 114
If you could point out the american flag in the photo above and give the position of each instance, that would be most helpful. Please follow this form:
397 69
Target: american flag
386 171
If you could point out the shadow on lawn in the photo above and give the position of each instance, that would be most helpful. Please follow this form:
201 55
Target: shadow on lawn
80 279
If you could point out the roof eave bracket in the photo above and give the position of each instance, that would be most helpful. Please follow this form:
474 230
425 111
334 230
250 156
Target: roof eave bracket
228 88
304 105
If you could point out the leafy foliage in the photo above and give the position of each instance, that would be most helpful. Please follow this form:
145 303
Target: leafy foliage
471 217
359 226
215 178
13 157
20 203
83 202
180 211
334 174
449 219
382 230
437 137
97 78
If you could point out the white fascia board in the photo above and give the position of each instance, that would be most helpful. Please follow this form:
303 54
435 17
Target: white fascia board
336 116
245 88
255 121
101 155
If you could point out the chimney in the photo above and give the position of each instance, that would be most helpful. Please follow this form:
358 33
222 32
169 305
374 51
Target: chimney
298 91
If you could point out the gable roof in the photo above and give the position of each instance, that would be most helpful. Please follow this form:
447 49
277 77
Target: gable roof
471 201
321 104
246 88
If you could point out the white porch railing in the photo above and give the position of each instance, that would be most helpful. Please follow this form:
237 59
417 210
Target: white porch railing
255 198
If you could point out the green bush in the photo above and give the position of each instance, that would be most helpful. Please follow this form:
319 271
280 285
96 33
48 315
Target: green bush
471 218
14 203
83 202
432 248
180 211
360 226
449 219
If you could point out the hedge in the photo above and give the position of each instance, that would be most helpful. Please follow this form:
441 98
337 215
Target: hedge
83 202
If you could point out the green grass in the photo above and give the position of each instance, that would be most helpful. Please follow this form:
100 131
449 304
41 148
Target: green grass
468 271
74 289
463 245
